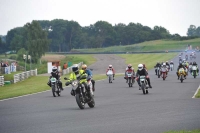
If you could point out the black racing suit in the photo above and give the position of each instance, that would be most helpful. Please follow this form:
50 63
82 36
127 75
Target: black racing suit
143 72
157 65
57 76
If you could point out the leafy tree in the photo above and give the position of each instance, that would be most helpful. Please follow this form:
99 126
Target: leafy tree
37 42
191 30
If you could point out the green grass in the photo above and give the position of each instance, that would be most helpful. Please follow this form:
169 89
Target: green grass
148 59
183 131
158 45
198 94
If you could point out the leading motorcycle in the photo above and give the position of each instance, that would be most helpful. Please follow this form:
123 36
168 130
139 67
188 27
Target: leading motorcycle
83 95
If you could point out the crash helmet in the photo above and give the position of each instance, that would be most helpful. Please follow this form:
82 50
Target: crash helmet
110 66
129 66
75 68
54 69
194 63
84 67
140 67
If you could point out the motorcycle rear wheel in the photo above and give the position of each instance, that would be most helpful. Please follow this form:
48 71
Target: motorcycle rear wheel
92 103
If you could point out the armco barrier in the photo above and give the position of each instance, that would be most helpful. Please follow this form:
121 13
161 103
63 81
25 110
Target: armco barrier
24 75
1 80
69 69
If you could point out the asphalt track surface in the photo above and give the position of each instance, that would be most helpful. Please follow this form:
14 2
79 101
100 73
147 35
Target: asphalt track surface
168 106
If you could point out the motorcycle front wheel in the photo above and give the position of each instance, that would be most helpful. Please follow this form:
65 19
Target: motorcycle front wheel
79 101
53 91
143 88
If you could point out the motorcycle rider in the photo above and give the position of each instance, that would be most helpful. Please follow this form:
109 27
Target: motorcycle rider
164 68
110 67
129 68
56 75
76 74
181 66
89 73
142 72
167 64
171 63
158 65
195 64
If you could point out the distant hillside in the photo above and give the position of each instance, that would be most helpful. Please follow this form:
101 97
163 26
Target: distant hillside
158 45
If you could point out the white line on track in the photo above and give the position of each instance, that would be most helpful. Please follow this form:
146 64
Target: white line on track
196 92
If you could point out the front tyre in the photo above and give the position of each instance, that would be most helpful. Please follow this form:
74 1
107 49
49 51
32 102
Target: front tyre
143 88
79 101
53 90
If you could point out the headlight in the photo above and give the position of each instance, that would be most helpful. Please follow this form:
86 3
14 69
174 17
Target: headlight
74 83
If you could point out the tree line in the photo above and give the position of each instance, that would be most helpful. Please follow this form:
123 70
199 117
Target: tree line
61 35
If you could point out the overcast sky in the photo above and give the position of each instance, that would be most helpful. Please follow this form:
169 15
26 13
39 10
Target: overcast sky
175 15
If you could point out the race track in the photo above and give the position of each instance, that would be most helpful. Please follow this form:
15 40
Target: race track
119 109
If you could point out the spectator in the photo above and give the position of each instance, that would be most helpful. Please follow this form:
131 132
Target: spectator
65 66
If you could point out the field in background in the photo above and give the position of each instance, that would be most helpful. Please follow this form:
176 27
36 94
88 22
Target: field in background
158 45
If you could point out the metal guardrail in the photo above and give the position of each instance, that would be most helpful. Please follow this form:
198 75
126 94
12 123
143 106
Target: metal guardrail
24 75
69 69
1 80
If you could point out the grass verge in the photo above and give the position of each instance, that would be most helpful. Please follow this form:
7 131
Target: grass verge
149 60
198 94
183 131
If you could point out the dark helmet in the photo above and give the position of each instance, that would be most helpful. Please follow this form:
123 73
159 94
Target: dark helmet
194 63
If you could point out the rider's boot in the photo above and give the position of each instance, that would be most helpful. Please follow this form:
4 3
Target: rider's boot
49 84
60 85
127 80
150 86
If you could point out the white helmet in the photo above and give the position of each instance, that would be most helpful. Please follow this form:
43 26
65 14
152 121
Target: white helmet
110 66
140 67
164 64
54 69
75 68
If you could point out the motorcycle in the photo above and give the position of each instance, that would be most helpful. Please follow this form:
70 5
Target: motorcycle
158 72
194 71
181 74
144 86
164 73
171 67
82 95
110 76
131 79
55 87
